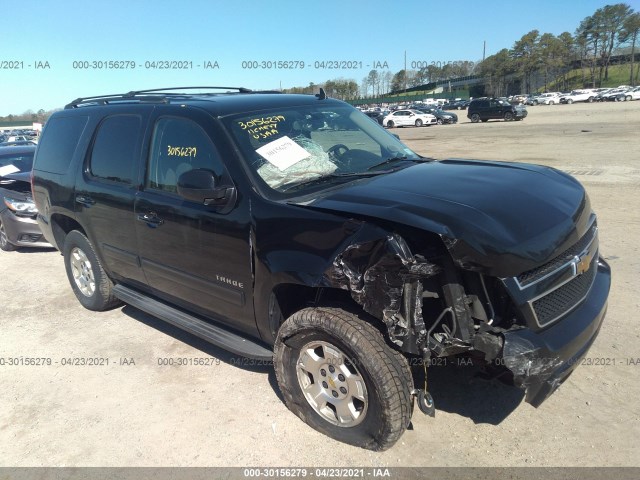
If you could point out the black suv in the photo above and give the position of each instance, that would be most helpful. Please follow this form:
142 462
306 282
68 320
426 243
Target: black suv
250 220
485 109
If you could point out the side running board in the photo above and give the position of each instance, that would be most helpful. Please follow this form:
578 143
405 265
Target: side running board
218 336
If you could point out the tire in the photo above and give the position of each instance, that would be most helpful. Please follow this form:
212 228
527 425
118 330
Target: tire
418 123
550 102
89 281
390 124
370 382
590 100
628 98
569 102
5 244
508 116
475 118
439 121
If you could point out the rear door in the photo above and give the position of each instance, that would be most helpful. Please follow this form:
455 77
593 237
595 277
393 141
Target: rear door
193 255
105 190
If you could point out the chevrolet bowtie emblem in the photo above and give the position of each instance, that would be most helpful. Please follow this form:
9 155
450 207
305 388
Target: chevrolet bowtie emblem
582 263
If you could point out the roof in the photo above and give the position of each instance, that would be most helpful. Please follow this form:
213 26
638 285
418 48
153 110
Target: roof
221 103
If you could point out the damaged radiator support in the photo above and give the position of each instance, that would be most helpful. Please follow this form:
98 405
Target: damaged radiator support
384 277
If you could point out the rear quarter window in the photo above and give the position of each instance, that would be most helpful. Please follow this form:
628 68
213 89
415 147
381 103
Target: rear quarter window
58 143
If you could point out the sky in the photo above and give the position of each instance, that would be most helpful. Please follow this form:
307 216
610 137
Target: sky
53 51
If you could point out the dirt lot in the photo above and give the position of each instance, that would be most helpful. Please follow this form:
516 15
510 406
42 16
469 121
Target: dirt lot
229 413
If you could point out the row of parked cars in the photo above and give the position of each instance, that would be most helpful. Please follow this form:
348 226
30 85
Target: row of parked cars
18 137
417 115
623 93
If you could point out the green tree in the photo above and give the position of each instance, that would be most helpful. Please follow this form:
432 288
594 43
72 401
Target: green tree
526 54
629 34
496 69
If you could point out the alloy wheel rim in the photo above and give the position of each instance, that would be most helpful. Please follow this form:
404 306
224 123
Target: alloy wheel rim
331 384
82 272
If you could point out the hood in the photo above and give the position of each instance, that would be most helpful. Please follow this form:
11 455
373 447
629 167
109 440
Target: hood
495 217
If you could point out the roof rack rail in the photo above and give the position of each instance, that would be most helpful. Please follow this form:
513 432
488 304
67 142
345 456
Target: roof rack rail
163 94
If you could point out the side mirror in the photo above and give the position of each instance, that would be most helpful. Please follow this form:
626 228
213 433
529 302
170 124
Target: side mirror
200 186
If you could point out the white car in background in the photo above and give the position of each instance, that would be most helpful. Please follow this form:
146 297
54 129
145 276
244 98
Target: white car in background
579 96
403 118
550 98
634 94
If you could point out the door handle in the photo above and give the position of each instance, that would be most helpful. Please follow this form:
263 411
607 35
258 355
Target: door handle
151 219
85 200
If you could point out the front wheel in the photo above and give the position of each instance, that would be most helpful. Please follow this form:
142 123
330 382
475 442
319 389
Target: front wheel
89 281
339 376
628 98
418 123
5 244
569 102
508 116
475 118
439 121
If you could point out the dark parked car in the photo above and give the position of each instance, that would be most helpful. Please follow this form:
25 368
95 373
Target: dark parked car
341 254
441 116
457 105
378 116
485 109
18 226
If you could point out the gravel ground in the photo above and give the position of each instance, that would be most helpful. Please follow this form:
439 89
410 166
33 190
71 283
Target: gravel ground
134 412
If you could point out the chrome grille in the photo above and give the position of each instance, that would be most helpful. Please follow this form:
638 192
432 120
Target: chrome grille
535 274
562 300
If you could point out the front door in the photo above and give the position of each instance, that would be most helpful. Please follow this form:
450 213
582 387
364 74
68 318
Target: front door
194 255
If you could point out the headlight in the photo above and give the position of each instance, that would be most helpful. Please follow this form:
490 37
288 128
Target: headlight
21 206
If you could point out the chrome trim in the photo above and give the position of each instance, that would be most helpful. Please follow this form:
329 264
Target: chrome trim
548 292
563 266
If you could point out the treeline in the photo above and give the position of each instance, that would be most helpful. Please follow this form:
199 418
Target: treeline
539 59
536 60
40 116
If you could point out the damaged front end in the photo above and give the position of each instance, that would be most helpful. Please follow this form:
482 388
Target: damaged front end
535 327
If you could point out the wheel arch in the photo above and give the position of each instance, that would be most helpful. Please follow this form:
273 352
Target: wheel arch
61 225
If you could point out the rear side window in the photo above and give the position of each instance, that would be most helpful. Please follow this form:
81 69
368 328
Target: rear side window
58 143
179 145
113 156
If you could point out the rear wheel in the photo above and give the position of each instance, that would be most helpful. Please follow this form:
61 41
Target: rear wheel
89 281
390 124
339 376
475 118
5 244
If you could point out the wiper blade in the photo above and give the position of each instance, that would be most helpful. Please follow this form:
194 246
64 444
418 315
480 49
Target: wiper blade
333 176
400 159
387 161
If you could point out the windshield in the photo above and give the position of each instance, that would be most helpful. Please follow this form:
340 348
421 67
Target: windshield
14 163
291 150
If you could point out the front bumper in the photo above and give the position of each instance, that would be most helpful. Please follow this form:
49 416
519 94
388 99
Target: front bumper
541 361
22 231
